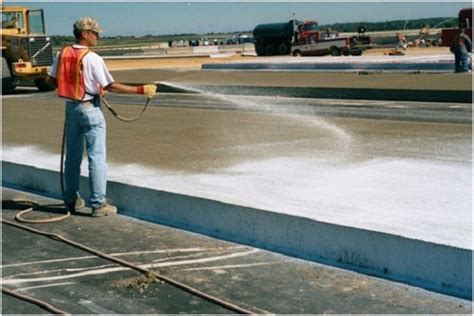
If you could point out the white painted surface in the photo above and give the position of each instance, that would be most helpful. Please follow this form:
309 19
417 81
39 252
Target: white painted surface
413 198
350 59
42 286
206 50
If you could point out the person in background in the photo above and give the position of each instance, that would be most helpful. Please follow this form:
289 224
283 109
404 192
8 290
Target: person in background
80 76
461 49
11 22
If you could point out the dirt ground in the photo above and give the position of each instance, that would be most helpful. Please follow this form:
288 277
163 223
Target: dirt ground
411 51
172 62
196 62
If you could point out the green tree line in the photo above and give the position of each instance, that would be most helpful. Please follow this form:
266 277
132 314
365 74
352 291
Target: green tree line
445 22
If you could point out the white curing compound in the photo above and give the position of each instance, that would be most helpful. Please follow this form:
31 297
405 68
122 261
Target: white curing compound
393 255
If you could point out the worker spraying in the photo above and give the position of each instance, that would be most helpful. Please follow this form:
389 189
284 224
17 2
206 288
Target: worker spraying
81 76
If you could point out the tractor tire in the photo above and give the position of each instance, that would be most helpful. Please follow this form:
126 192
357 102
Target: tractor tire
7 80
335 51
297 53
42 86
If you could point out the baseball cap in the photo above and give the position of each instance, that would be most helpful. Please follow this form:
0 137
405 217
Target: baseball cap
87 24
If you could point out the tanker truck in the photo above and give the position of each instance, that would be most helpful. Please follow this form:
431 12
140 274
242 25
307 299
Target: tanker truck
298 38
276 38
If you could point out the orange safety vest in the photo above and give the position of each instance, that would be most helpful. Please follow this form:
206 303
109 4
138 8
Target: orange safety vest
69 75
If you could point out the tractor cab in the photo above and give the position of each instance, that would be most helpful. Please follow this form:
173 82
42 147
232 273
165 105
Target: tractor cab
26 49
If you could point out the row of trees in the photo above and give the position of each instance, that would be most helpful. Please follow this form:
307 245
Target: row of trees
394 25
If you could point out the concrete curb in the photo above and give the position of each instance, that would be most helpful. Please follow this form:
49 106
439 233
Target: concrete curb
432 266
438 66
449 96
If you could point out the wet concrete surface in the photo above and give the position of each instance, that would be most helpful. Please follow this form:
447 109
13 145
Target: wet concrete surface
424 63
414 81
412 95
198 133
78 282
376 165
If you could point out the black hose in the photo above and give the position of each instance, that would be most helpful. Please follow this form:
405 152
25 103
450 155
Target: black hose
40 303
35 205
125 119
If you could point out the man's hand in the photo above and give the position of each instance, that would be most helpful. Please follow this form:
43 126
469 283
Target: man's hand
149 90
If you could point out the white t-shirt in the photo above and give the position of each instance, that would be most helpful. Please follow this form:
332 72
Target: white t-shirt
95 72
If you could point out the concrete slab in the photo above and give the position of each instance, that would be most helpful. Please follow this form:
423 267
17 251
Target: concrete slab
429 265
261 281
294 164
445 87
431 63
306 166
325 93
398 81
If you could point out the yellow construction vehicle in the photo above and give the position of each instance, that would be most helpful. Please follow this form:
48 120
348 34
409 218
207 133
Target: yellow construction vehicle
27 51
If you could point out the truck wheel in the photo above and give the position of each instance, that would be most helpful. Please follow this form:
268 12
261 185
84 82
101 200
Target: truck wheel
297 53
269 50
335 51
283 49
42 86
7 80
260 50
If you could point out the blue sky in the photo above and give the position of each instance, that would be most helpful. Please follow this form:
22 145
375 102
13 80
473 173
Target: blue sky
131 18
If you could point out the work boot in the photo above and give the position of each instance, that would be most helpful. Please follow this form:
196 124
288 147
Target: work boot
104 210
76 205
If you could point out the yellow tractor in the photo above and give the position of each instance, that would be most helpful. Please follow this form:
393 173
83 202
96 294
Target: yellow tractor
27 51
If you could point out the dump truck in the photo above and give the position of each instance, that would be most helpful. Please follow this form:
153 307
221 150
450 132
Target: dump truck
297 37
26 49
464 22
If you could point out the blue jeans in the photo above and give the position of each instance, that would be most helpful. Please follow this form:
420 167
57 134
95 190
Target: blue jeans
461 62
85 123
